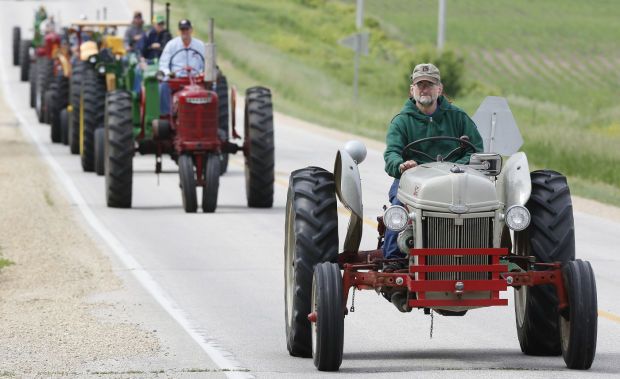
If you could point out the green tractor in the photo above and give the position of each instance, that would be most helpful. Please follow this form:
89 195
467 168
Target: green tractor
21 47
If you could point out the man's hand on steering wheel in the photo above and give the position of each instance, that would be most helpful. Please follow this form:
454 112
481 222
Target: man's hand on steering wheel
407 165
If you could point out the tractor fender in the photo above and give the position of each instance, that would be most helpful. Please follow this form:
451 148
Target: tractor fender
65 65
349 191
514 183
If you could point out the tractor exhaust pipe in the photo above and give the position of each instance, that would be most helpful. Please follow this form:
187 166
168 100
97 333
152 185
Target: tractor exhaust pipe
210 55
167 16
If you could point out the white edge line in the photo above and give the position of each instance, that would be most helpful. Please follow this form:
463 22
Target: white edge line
223 359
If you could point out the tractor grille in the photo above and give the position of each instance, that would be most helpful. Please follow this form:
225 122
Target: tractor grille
440 232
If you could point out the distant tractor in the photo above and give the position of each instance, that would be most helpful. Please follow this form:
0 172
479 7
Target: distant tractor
191 135
21 47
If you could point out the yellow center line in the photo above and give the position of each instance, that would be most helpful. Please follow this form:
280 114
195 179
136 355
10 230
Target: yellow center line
372 223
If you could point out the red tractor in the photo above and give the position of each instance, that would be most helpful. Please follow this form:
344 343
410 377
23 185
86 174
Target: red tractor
191 135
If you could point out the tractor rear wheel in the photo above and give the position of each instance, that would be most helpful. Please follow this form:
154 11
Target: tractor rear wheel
99 151
32 81
328 328
550 237
259 157
311 238
17 36
75 84
63 118
222 109
578 324
93 100
51 101
118 149
212 179
188 183
24 59
45 75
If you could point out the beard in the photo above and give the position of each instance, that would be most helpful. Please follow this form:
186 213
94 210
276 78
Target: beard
425 100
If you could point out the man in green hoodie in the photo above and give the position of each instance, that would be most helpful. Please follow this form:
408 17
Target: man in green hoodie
427 113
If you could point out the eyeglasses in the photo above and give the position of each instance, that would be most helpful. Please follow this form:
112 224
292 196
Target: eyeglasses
424 84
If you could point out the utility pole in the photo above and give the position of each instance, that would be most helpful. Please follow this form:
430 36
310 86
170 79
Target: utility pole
441 25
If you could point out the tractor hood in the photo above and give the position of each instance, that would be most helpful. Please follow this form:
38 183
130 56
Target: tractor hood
447 187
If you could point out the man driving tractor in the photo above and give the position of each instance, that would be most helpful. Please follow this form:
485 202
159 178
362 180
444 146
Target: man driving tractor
427 113
179 54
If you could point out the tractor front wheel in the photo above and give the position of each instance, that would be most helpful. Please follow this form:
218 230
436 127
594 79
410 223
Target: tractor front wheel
99 151
212 179
328 309
93 92
311 238
32 81
118 150
51 101
188 183
17 36
578 323
259 155
222 111
63 121
45 74
75 84
550 237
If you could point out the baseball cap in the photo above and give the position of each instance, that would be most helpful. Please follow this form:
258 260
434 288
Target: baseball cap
159 19
185 24
425 71
137 14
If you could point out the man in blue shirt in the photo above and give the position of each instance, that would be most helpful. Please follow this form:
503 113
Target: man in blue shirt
181 52
152 45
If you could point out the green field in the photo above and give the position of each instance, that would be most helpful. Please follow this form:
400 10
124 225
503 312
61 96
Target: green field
556 61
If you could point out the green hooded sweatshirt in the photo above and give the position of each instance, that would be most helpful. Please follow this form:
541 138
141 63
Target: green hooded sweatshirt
411 125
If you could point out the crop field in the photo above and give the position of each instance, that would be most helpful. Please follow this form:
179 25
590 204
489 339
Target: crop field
557 62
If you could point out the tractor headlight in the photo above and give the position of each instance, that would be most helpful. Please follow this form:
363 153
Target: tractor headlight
396 218
101 70
93 59
517 217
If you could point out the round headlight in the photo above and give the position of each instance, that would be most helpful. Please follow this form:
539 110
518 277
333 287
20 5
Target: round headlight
517 217
92 59
101 69
396 218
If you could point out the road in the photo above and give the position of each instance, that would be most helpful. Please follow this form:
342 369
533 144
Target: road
221 275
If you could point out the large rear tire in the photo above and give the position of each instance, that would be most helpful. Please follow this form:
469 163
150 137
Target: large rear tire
118 149
311 238
188 183
578 324
51 101
212 185
45 76
24 59
32 81
17 37
75 84
93 101
259 159
99 151
222 109
327 304
550 237
63 118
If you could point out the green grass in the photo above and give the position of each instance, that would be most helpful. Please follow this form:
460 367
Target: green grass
4 262
556 62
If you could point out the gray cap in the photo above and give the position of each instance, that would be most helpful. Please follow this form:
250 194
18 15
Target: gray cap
425 71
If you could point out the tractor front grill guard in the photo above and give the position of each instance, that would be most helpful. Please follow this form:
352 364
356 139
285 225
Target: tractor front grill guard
361 271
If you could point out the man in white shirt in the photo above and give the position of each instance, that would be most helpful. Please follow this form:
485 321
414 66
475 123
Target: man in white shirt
179 54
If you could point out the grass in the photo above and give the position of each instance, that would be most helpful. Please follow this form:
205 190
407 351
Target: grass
4 262
557 64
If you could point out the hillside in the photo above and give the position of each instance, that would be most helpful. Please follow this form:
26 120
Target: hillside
556 61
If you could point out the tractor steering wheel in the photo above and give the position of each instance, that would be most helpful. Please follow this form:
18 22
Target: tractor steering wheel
464 146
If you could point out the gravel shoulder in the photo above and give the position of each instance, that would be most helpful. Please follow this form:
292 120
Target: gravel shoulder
67 308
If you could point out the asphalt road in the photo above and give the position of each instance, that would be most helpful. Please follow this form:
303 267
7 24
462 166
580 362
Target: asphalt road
221 275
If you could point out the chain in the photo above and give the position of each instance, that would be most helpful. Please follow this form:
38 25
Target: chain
432 318
353 301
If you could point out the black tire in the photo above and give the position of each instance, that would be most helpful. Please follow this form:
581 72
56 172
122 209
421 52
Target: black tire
33 85
99 151
75 84
17 37
63 92
93 94
327 304
578 324
24 59
59 101
222 109
259 159
311 238
63 118
45 76
550 237
51 101
118 149
212 185
188 183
